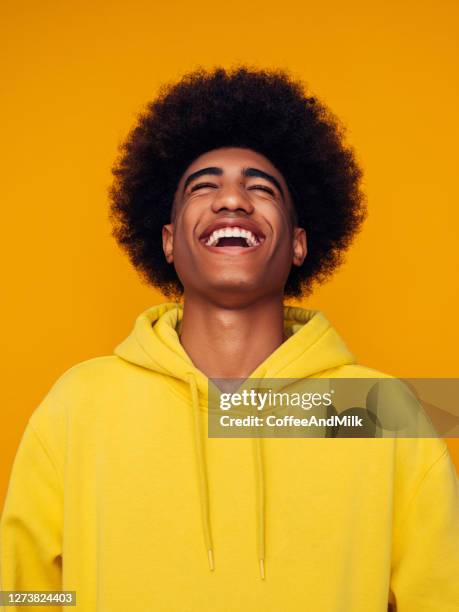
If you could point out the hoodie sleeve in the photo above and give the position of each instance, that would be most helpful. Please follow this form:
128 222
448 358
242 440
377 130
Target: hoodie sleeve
30 524
425 571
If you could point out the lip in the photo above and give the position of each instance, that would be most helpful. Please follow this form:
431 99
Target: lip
233 222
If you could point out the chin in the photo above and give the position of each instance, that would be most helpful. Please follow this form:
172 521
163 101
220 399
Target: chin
237 284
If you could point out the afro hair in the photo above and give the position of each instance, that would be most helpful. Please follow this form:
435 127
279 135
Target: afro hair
264 110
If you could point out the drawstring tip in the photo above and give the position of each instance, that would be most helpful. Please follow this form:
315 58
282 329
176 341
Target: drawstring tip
262 569
211 559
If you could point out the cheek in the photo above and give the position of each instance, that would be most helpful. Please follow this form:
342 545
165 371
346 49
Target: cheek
186 222
184 244
283 231
275 214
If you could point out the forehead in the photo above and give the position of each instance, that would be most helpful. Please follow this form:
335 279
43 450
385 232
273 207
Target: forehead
232 159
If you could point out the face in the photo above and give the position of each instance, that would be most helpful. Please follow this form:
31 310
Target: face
232 237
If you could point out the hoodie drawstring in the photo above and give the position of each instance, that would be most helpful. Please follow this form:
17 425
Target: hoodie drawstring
204 484
260 492
202 471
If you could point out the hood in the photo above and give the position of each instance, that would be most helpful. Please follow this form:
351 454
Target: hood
312 347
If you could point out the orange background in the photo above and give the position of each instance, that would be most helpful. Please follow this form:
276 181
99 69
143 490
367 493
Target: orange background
76 73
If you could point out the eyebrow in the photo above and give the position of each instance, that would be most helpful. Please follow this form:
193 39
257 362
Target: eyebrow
194 175
245 172
265 175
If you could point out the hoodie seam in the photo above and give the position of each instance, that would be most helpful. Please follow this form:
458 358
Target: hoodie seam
419 486
409 505
49 454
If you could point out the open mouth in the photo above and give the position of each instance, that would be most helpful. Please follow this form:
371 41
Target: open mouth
232 237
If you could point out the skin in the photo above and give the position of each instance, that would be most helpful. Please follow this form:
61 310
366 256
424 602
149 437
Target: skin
232 296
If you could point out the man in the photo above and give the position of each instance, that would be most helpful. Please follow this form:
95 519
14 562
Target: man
117 491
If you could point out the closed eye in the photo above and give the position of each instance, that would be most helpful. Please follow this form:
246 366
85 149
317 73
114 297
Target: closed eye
263 188
199 185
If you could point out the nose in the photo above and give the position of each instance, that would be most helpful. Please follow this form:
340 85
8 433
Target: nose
232 197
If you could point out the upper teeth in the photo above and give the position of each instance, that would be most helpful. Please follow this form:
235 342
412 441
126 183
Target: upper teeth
229 232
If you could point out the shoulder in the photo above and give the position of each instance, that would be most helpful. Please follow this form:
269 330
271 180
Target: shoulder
73 387
74 393
396 403
355 370
87 371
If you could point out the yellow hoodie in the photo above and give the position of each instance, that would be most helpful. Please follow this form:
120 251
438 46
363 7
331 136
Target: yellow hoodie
117 493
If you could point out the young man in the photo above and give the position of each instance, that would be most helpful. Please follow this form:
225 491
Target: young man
234 189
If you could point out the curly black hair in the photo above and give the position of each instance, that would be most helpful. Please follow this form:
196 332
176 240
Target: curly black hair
267 111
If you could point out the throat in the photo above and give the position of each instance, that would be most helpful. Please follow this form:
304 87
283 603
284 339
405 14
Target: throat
229 343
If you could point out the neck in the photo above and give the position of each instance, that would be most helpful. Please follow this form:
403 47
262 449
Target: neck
231 342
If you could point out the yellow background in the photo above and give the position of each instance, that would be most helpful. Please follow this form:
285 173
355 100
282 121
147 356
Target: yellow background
74 76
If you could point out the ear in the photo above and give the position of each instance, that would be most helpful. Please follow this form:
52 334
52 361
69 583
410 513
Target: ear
300 246
168 242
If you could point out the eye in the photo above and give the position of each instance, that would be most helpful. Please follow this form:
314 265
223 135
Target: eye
263 188
199 185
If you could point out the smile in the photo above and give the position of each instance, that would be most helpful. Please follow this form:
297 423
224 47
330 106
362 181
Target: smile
232 236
